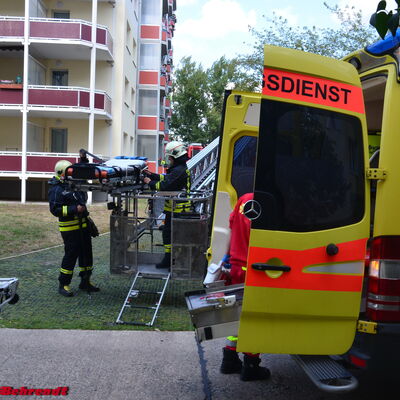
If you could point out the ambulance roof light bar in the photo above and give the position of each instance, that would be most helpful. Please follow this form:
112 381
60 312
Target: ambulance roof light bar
385 46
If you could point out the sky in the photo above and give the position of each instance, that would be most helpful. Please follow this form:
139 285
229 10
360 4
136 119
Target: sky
209 29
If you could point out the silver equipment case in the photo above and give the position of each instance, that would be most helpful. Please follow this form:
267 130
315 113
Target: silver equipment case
8 291
215 313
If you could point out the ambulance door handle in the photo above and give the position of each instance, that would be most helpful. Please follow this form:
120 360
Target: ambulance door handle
267 267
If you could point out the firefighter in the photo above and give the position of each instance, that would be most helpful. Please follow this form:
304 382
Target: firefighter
239 224
70 208
177 178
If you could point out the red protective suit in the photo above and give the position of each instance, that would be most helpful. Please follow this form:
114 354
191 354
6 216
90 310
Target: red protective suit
239 244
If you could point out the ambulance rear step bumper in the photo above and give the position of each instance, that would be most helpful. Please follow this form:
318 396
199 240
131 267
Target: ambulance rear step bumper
326 373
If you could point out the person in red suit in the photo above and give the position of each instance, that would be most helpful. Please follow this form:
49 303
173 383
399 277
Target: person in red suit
239 224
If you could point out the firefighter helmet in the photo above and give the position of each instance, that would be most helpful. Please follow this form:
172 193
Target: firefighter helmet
61 166
175 149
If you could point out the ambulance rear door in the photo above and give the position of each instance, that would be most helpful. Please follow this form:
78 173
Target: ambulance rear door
310 213
236 162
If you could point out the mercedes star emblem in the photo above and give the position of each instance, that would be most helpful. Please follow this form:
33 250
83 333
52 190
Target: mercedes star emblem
252 209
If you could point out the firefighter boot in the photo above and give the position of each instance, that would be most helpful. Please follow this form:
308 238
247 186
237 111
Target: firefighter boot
165 262
251 370
231 363
65 290
86 285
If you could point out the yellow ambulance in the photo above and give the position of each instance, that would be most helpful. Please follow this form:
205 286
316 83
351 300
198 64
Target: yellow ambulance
319 148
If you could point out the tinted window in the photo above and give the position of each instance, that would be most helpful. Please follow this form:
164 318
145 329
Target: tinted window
244 160
310 168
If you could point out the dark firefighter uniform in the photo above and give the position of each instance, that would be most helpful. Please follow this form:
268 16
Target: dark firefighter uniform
73 227
177 178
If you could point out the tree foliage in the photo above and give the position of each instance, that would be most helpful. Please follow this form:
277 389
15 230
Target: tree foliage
198 93
198 97
352 34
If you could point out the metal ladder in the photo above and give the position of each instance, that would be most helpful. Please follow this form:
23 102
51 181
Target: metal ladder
203 165
152 287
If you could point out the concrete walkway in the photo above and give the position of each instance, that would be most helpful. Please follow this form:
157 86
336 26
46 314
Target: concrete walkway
109 365
142 365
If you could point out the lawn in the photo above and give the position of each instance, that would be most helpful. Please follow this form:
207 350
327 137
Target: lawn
24 228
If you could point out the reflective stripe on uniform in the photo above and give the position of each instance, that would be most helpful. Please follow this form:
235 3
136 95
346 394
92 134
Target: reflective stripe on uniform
244 268
71 228
70 223
167 248
232 338
83 269
182 206
65 211
66 271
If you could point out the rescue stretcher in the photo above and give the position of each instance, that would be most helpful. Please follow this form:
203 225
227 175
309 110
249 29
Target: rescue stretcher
8 291
117 172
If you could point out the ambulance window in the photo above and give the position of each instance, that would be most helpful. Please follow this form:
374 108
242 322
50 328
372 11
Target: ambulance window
311 173
243 164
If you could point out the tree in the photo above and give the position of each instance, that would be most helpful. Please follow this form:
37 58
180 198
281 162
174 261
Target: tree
198 95
189 102
351 35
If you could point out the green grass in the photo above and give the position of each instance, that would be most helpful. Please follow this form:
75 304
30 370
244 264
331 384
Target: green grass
40 306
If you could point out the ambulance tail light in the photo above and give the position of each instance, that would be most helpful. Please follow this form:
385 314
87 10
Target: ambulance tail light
383 299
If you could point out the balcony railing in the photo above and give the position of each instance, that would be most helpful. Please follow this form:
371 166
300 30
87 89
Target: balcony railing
55 29
36 163
58 97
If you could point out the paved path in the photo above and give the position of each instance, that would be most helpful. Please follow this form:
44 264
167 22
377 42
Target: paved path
142 365
109 365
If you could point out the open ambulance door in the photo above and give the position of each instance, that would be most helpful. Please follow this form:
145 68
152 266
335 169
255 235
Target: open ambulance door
310 213
236 163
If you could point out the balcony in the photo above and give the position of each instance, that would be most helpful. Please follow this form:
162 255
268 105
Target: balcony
63 38
57 101
37 164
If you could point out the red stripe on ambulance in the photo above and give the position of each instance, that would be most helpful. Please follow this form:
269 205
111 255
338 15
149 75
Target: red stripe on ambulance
296 278
306 88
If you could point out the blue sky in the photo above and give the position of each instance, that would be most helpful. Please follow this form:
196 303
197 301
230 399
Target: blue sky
209 29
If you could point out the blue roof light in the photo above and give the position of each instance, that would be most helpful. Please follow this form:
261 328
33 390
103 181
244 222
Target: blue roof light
385 46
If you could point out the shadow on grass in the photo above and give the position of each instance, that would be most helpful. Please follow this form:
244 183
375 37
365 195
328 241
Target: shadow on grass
40 306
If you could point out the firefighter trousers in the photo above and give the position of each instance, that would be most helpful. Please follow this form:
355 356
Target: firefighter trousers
77 245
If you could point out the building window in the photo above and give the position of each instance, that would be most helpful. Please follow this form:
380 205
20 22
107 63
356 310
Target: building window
35 138
37 73
133 102
146 146
148 100
151 12
37 9
59 140
58 14
150 56
60 78
126 94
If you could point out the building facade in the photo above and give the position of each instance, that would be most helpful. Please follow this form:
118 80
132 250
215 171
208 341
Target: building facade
68 77
157 25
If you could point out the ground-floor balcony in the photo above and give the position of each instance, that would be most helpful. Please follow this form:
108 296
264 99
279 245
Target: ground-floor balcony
58 38
38 165
56 101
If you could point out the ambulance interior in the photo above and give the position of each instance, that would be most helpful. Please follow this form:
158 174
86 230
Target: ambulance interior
374 94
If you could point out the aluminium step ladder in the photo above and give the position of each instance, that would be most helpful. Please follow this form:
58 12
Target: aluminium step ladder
144 298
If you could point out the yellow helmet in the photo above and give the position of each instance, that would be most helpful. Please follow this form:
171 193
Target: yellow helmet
175 149
61 166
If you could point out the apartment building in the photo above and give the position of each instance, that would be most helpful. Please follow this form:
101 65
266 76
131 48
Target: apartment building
157 25
68 80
